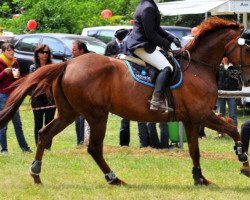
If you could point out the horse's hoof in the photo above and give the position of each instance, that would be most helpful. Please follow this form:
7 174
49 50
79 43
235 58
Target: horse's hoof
36 178
202 181
207 182
245 170
117 181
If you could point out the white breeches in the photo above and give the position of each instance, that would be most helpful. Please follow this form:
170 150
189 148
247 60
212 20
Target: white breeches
156 59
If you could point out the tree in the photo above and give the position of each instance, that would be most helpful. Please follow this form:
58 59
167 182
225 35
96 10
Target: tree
68 16
71 16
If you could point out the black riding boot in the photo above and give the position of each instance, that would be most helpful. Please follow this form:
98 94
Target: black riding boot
157 102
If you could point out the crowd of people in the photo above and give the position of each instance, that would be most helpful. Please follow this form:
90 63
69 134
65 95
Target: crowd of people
141 41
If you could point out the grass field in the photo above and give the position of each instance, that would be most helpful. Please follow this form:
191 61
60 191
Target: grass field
70 173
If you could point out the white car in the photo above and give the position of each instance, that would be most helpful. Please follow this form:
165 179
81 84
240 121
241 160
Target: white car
104 33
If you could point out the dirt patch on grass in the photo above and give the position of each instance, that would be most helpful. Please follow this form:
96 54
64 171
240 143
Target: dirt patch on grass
176 153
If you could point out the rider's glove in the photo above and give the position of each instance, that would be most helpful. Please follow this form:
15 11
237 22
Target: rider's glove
177 42
166 45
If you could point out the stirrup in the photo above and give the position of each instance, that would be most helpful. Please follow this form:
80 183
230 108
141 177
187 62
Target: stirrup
159 105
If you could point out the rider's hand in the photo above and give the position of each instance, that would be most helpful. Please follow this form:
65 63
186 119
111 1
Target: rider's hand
177 42
166 45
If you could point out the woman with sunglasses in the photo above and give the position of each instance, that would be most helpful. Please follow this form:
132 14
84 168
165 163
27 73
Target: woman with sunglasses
42 111
9 73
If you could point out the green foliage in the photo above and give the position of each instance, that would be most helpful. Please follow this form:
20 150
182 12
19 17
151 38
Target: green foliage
71 16
68 16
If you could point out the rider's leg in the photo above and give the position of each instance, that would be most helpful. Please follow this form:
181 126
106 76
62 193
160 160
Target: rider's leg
159 61
157 102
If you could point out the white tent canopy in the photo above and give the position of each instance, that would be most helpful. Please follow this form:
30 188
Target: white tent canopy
216 7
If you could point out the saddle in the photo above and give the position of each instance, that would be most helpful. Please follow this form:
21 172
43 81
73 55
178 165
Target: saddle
145 74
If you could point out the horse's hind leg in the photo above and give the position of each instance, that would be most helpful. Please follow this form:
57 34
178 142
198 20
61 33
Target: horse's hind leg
217 123
66 115
192 137
45 136
97 132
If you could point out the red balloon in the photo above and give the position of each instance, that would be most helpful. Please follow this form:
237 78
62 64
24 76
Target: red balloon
132 21
32 24
106 14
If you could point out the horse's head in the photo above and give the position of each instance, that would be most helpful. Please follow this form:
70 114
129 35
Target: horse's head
238 52
216 39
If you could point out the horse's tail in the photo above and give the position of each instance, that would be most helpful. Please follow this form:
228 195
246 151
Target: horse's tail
38 82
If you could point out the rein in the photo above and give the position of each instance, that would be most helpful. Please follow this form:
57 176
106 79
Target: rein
215 67
190 59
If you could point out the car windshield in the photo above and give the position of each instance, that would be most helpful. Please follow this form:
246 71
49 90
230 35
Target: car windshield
94 46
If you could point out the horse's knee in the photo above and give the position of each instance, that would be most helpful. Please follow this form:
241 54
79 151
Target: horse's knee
94 150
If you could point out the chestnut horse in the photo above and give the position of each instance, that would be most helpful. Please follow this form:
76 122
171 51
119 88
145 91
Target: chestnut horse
94 85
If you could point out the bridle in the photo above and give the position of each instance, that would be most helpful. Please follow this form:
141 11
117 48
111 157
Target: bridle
242 43
215 67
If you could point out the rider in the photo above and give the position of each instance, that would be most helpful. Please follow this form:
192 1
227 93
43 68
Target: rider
142 41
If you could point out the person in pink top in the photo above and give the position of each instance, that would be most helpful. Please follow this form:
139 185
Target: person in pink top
9 72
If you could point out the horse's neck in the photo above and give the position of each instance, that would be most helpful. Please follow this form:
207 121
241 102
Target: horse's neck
212 48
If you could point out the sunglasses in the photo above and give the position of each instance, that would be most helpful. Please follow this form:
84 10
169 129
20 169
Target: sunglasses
47 52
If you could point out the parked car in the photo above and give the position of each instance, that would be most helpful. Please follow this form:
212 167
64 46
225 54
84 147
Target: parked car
106 33
59 43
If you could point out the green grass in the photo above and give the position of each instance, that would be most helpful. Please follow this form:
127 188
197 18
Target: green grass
70 173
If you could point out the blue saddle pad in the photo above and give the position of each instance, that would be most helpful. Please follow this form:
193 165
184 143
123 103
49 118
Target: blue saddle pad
141 74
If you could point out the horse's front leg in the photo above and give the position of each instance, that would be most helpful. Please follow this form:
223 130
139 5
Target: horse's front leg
45 136
217 123
192 138
97 125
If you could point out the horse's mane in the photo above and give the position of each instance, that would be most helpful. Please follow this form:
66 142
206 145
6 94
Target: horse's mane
208 26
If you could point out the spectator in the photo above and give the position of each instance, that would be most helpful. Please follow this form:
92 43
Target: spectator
245 134
115 47
229 81
79 48
9 72
202 133
125 133
148 136
245 138
154 141
42 57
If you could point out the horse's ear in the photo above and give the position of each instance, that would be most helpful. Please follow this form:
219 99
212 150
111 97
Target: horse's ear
242 30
